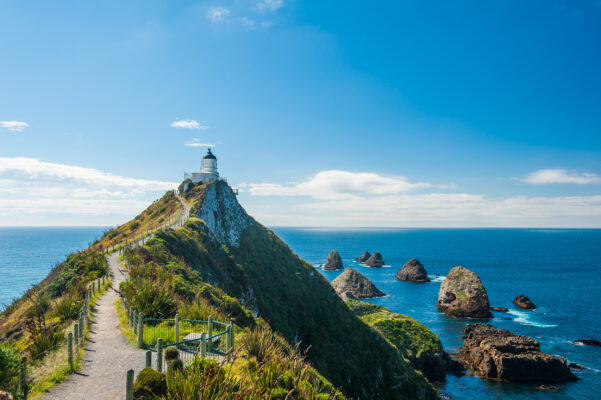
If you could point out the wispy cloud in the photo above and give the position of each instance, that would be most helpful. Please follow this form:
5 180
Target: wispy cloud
217 14
195 142
15 126
341 198
269 5
545 176
247 21
188 124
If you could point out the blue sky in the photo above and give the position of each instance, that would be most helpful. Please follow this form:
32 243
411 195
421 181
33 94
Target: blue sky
431 113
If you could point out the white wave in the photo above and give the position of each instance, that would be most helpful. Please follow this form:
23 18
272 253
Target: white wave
436 278
525 318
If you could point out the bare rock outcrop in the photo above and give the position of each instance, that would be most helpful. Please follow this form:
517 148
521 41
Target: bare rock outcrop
523 302
375 260
500 354
351 281
334 261
463 295
412 271
364 257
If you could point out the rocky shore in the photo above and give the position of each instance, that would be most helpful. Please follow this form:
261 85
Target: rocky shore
500 354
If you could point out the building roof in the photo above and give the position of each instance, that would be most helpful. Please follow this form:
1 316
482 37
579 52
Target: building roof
209 155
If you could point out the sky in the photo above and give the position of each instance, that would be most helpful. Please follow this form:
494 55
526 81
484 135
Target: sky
322 113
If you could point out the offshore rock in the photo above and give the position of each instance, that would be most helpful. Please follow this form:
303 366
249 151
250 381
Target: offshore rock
363 257
500 309
355 283
412 271
463 295
523 302
500 354
334 261
375 260
588 342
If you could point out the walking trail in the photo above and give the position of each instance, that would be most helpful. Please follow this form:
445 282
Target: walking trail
107 354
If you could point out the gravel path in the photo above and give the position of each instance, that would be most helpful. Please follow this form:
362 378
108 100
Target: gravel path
107 355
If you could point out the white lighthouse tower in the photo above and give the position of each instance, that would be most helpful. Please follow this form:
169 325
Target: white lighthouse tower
208 170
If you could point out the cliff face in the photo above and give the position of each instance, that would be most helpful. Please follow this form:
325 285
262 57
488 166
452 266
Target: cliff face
231 250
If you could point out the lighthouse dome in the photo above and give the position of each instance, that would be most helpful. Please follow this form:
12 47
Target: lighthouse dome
209 156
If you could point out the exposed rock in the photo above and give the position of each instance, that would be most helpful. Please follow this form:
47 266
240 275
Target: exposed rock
589 342
334 261
576 366
412 271
500 354
500 309
355 283
548 387
523 302
363 257
463 295
375 260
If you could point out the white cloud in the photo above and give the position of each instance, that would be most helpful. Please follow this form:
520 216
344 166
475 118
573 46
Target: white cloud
545 176
217 14
341 198
269 5
188 124
247 21
15 126
195 142
336 184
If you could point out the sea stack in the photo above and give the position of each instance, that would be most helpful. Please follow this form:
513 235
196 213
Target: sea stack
523 302
351 281
375 260
412 271
364 257
500 354
334 261
463 295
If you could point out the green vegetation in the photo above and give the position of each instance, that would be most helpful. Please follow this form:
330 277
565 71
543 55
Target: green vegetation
149 384
10 367
405 333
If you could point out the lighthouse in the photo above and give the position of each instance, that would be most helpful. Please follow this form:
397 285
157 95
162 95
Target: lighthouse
208 170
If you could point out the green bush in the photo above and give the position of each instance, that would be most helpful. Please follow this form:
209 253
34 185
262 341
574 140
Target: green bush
10 368
149 384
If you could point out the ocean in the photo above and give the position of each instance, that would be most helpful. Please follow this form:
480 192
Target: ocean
28 254
558 269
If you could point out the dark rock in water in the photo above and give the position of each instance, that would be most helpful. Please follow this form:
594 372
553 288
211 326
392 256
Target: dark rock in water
375 260
500 309
355 283
523 302
334 261
500 354
588 342
412 271
364 257
548 387
576 366
462 294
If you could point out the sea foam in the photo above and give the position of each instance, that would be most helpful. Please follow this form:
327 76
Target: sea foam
526 318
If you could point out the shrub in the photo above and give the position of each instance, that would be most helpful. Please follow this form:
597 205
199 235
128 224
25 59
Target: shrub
67 308
149 384
44 337
10 368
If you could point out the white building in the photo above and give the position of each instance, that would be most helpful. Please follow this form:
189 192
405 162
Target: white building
208 171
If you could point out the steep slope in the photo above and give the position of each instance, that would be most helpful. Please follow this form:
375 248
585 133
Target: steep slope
228 249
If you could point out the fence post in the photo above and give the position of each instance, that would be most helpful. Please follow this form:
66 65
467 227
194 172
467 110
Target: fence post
148 359
176 328
98 286
203 345
160 355
134 321
228 343
131 315
140 330
129 385
76 337
233 331
70 350
81 327
210 329
23 384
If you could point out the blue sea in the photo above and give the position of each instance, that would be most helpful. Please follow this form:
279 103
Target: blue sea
558 269
28 254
